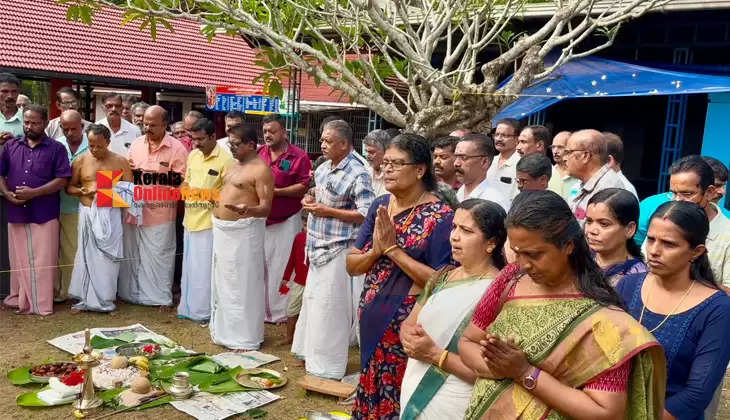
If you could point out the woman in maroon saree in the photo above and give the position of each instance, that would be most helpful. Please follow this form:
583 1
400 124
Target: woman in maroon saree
403 241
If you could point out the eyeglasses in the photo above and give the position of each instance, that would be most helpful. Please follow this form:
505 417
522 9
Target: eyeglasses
68 103
682 195
568 152
467 157
397 165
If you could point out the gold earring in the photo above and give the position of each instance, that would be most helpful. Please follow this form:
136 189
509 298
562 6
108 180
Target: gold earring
490 250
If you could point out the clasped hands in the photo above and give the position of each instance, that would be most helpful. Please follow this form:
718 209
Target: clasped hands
384 235
504 358
310 205
417 344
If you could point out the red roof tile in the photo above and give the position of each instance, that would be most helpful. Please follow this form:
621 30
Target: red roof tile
36 36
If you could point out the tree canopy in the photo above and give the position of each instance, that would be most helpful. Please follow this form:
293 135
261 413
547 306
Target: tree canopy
430 66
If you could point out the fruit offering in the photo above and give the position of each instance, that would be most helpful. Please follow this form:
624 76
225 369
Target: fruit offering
50 370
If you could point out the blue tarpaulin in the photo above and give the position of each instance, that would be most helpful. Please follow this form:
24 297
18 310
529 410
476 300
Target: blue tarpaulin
594 77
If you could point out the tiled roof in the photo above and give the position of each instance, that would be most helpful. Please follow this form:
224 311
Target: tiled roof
37 37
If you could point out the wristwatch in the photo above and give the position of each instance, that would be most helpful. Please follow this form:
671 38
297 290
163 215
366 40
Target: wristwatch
530 381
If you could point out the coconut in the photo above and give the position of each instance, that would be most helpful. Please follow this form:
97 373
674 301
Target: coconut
141 385
119 362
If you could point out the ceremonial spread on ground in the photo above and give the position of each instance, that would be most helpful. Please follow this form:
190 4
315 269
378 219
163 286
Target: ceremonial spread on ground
134 368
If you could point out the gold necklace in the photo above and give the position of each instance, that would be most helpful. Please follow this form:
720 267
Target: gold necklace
415 204
681 301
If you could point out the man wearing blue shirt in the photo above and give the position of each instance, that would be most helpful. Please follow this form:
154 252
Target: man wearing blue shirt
74 139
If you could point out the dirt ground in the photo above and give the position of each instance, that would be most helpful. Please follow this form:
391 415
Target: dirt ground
23 342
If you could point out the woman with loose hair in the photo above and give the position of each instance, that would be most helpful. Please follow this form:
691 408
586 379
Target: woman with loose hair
401 244
549 338
437 385
679 301
611 219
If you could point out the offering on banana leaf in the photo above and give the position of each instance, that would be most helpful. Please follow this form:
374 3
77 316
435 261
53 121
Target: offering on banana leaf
261 378
42 373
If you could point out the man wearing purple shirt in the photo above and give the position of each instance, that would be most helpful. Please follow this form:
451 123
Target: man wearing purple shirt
33 169
290 166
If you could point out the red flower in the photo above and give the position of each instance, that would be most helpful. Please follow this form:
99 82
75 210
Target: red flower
390 337
385 407
379 356
370 295
368 382
387 379
391 358
73 378
429 224
400 371
151 348
410 241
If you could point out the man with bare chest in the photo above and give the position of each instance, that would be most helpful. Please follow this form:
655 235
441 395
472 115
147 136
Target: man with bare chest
100 244
239 226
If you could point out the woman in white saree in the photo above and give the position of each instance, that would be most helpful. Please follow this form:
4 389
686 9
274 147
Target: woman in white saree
437 384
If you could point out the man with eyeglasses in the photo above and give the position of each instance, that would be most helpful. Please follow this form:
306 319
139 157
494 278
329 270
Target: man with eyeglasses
472 157
503 169
66 100
586 159
561 182
692 179
123 131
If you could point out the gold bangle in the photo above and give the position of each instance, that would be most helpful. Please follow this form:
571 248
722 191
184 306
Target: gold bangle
442 359
390 248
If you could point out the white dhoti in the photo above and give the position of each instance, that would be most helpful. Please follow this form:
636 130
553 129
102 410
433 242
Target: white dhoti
146 272
196 274
322 335
279 238
96 266
358 283
237 287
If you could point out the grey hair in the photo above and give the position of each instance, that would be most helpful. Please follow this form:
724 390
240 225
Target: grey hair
143 105
379 138
342 128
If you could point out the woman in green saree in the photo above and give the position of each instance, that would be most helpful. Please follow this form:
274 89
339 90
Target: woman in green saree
549 339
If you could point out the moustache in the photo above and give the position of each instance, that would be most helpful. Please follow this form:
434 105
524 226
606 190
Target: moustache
459 171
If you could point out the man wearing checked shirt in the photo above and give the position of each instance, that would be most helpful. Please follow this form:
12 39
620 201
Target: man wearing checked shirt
342 198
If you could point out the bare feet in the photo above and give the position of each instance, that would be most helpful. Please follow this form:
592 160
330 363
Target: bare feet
164 308
285 342
298 363
75 310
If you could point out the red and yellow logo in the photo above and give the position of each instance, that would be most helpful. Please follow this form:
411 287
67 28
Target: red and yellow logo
105 194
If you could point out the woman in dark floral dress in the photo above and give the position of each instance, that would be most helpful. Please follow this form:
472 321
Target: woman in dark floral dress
403 241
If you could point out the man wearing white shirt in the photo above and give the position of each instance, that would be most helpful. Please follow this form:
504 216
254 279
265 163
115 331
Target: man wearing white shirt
232 118
503 169
472 157
615 151
66 99
123 131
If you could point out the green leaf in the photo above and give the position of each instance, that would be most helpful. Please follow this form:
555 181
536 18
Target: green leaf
207 366
156 403
275 89
85 13
20 376
153 27
72 13
256 413
166 24
30 399
109 395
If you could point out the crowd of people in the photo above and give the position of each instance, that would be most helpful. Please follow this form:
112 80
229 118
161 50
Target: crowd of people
483 275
